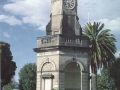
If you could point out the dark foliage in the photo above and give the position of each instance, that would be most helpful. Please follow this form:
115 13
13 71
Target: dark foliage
115 73
12 85
8 66
104 81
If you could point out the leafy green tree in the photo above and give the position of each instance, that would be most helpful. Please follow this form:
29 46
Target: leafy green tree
104 81
102 45
8 66
115 73
12 85
8 86
27 77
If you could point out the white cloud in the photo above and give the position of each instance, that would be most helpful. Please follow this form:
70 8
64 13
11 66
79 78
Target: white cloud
11 20
42 27
113 24
99 9
35 12
5 34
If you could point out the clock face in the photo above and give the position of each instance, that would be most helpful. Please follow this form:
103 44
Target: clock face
69 4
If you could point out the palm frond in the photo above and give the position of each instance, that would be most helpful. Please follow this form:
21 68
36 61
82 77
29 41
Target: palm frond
102 44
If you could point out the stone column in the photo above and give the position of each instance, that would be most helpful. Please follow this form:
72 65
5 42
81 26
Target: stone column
62 80
85 81
38 82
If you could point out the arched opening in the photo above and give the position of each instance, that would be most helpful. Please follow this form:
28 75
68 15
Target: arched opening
72 76
47 77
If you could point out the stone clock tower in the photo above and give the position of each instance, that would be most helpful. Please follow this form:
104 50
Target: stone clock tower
63 54
64 19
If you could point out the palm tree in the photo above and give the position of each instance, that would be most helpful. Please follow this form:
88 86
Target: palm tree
102 45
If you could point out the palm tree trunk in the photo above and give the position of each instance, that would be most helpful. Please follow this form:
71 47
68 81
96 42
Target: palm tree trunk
94 81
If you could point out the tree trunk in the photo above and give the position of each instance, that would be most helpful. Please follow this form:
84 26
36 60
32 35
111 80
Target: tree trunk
94 81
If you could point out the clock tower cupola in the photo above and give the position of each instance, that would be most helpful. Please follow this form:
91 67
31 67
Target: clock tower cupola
64 19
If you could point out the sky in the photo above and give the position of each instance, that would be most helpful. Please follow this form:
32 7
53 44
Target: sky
22 21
